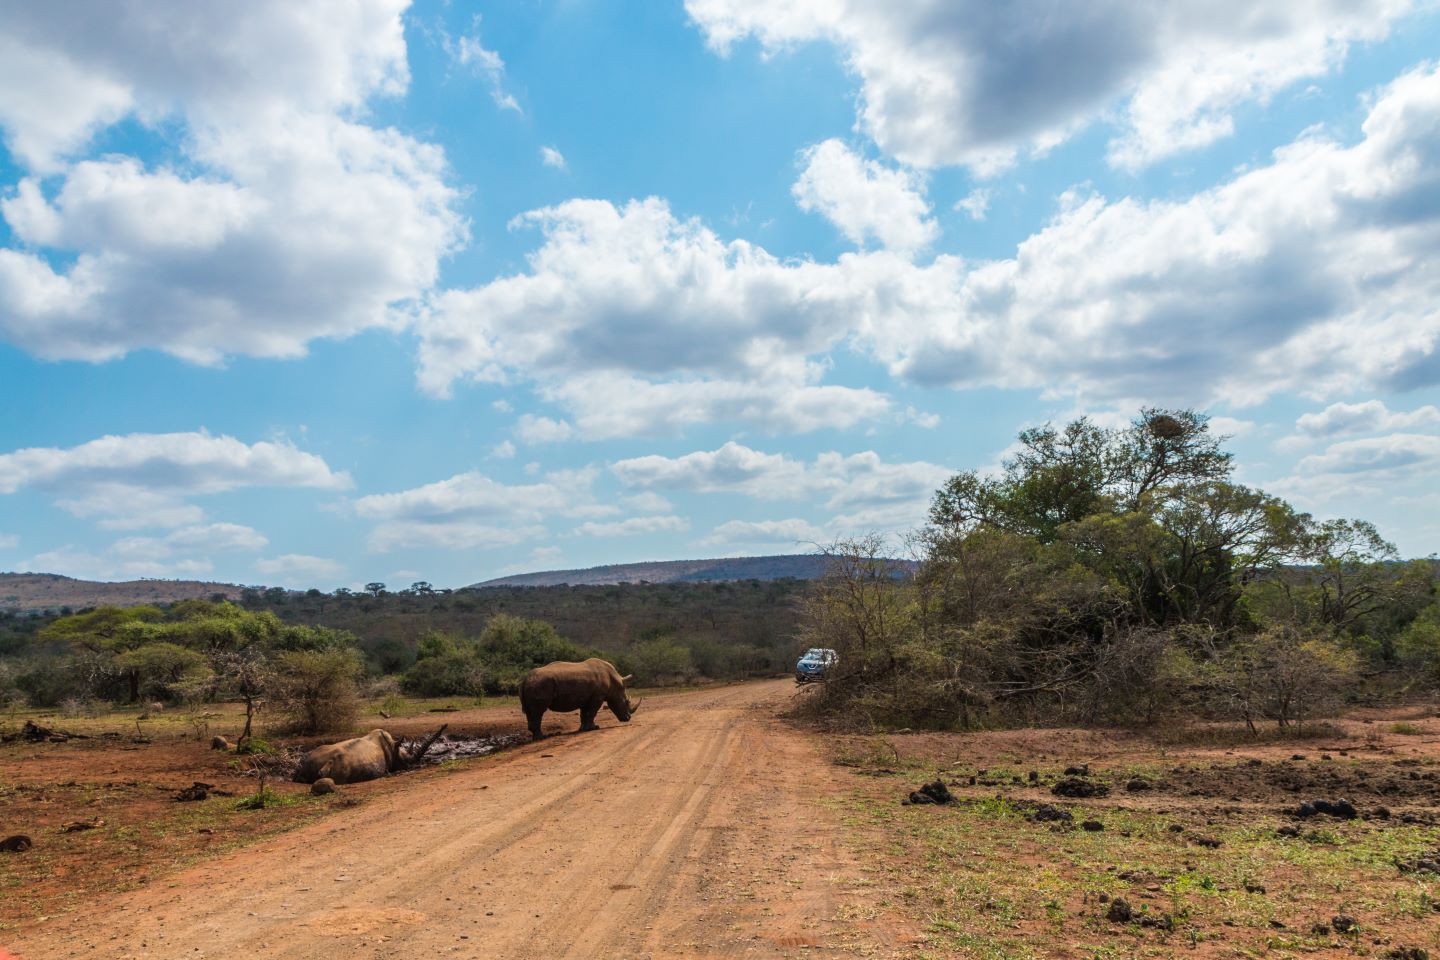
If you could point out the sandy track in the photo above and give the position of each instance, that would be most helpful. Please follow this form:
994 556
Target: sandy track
693 831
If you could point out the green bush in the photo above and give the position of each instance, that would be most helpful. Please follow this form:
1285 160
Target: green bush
511 647
455 674
315 689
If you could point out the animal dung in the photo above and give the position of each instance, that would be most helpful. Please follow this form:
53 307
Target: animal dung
18 843
935 792
1079 787
75 826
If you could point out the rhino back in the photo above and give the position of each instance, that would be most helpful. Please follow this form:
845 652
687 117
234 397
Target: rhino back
563 686
350 761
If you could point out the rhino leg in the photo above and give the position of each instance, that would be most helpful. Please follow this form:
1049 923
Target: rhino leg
587 717
532 717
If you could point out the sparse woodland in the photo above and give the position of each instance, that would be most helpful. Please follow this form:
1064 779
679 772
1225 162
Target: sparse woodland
1121 576
1103 576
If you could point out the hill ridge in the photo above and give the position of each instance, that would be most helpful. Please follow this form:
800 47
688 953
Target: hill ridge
800 566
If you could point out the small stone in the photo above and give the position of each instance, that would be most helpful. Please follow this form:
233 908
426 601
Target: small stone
1344 923
1119 911
1093 826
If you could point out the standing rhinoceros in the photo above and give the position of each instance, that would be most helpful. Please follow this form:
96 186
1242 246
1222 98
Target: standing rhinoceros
351 761
563 687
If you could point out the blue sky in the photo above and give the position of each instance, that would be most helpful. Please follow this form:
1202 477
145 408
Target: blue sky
321 293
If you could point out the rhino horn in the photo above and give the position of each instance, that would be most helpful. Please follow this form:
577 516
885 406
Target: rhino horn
632 705
627 678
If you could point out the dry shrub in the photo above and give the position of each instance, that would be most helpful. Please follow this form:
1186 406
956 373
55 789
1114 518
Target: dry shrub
315 690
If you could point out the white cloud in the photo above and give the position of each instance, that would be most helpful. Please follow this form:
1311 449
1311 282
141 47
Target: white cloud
856 482
469 52
1230 426
1371 416
865 199
635 321
144 479
210 538
553 158
633 526
536 430
1395 453
790 532
971 82
610 405
975 204
276 217
472 511
9 541
182 553
458 535
638 321
299 570
1386 470
71 561
648 502
503 450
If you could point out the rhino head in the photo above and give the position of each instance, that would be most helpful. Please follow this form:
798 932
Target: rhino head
624 713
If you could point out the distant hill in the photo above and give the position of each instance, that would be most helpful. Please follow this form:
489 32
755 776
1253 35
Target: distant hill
803 566
50 591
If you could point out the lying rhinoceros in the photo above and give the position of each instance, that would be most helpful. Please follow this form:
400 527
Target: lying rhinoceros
351 761
563 687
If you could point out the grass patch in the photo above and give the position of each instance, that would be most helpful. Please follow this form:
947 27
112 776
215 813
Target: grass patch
1406 729
1238 735
986 881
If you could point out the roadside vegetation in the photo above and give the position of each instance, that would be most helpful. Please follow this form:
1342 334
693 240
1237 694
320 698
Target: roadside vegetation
308 656
1121 576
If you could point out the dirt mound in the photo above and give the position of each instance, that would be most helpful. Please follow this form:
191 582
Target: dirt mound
1369 780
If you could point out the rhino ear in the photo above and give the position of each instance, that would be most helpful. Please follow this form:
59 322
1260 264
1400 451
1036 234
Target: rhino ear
627 678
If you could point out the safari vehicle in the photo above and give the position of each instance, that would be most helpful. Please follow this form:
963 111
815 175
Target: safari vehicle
814 666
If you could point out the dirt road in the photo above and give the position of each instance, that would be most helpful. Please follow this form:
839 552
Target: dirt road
694 831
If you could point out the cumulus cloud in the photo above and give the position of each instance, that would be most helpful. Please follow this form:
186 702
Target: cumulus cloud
975 204
473 511
186 552
633 319
1397 452
612 405
299 570
766 532
870 492
633 526
276 217
536 429
73 561
970 82
552 158
1395 467
145 479
1371 416
865 199
638 321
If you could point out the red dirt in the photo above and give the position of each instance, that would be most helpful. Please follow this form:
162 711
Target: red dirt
692 831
